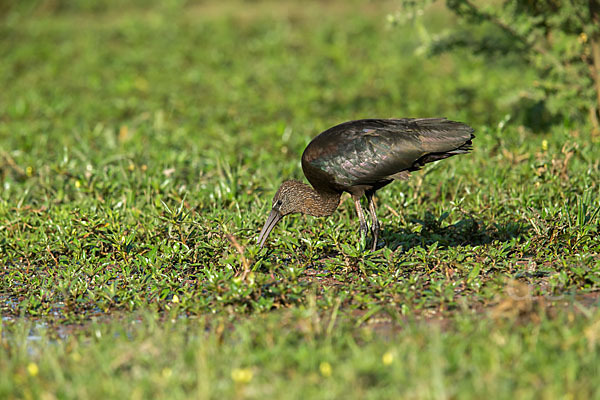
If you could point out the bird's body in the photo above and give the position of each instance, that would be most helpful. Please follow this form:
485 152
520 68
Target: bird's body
360 157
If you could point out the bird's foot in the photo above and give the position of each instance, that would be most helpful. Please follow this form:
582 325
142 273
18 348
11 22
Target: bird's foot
377 243
374 246
375 235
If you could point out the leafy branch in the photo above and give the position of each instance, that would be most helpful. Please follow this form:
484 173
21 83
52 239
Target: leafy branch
559 38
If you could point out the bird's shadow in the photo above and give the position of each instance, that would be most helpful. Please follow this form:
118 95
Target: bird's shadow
469 231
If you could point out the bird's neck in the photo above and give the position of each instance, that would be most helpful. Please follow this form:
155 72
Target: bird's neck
319 204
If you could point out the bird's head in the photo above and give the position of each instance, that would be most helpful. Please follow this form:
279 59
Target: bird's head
287 200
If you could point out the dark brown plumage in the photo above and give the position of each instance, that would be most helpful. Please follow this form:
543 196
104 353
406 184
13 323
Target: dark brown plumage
360 157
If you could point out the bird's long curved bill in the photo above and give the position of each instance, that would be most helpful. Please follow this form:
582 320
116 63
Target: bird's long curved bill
273 219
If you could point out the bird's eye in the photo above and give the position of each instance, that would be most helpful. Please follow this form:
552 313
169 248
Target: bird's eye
279 203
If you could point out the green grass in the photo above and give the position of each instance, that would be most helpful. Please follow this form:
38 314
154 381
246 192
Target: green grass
302 354
139 152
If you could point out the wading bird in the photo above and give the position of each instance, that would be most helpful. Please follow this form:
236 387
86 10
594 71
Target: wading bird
360 157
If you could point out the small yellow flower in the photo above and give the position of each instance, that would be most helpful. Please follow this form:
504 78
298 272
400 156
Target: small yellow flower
325 369
175 299
387 358
544 145
583 37
241 375
77 184
123 133
29 171
167 372
141 84
33 369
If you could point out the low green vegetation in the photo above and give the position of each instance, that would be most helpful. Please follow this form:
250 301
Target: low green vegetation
302 353
139 152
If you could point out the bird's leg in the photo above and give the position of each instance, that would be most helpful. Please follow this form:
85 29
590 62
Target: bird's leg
361 218
374 221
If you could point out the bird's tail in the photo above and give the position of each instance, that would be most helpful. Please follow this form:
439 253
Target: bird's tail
431 157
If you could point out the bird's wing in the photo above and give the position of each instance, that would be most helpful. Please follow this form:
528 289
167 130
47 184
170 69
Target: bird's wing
367 152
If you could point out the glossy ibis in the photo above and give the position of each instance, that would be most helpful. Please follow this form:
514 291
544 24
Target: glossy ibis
360 157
